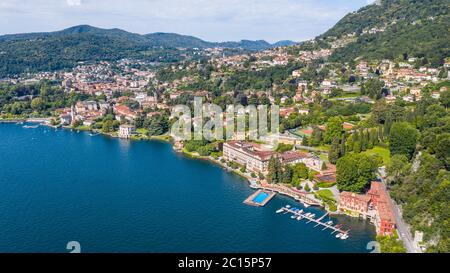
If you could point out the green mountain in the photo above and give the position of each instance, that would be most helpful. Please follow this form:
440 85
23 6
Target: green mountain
395 29
50 51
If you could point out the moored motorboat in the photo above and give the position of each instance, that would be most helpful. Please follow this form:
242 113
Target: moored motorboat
339 235
280 210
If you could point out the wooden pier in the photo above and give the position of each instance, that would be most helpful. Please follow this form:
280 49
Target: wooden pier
302 215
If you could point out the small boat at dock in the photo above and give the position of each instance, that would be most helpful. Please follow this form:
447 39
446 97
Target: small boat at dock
329 223
339 235
344 236
280 210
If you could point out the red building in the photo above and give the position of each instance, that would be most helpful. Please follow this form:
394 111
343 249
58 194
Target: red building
374 205
384 220
354 204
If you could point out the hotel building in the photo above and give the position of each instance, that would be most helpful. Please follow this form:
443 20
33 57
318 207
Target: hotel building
374 205
250 155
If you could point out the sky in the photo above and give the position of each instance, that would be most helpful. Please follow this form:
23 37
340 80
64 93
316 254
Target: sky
211 20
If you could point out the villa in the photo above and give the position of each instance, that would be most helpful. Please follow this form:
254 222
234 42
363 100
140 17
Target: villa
373 205
125 131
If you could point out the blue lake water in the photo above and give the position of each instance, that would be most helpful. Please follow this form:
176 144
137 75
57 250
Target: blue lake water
113 195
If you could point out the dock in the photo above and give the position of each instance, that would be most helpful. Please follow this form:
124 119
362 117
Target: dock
303 215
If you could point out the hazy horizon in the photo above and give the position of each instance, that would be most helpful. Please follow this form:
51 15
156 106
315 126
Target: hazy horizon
212 20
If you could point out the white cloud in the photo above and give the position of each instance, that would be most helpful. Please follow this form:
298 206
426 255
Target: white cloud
73 2
215 20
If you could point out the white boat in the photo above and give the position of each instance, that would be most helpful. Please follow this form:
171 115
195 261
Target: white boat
279 211
329 223
305 205
312 215
294 216
339 235
30 127
287 206
307 214
300 211
299 218
344 236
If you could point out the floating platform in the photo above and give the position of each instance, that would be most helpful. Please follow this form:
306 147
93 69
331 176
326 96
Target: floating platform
259 198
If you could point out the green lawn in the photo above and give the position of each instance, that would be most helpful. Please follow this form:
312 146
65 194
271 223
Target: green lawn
326 194
323 157
324 147
328 198
347 95
383 152
142 131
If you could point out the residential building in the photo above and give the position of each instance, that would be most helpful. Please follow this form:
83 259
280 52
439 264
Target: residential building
125 131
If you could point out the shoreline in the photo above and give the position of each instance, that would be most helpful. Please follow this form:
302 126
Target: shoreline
253 183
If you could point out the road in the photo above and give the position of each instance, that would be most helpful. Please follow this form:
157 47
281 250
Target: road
403 228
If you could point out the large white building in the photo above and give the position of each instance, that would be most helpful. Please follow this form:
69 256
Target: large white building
125 131
250 155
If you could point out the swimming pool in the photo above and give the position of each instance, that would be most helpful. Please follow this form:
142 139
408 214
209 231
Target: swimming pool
260 197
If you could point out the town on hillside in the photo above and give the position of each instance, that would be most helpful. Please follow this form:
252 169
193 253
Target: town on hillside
367 137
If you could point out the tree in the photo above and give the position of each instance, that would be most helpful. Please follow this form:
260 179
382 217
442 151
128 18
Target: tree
442 149
38 104
334 129
363 135
316 138
305 141
403 139
158 125
373 88
286 175
397 167
357 148
342 148
444 99
380 132
333 152
300 172
274 174
107 126
349 144
355 171
324 166
307 188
